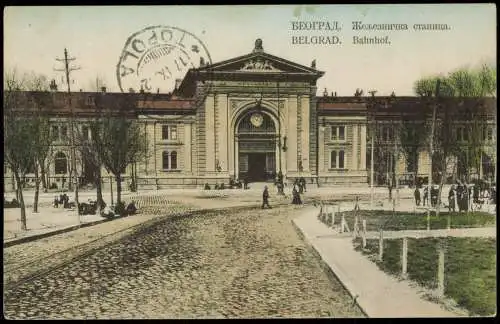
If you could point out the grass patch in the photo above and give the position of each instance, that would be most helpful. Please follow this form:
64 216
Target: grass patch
375 219
470 268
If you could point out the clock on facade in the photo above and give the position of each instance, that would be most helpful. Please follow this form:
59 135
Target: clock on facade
257 119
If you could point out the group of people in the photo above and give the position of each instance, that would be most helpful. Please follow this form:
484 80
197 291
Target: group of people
433 199
63 200
459 196
299 186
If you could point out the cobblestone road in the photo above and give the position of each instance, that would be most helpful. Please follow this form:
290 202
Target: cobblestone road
245 263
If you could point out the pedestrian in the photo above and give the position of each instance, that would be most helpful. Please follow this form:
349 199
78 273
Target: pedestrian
426 196
302 182
56 202
389 185
296 196
451 199
417 196
265 198
434 194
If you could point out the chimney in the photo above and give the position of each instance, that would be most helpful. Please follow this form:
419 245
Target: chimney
103 89
131 90
142 90
53 85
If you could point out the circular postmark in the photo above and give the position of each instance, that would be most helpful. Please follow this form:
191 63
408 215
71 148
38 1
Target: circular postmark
155 57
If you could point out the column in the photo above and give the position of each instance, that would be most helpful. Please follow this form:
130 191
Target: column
363 148
292 134
354 163
230 146
321 148
305 132
187 147
222 128
209 134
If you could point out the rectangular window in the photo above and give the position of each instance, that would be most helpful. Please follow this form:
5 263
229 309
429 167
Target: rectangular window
64 132
168 132
342 133
490 134
338 133
164 132
387 134
465 134
55 133
85 132
173 132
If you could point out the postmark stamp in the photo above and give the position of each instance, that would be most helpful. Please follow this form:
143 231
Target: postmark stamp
155 57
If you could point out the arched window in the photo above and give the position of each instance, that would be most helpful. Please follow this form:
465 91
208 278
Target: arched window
169 160
173 160
61 163
337 159
165 161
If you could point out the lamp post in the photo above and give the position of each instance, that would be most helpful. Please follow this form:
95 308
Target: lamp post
280 173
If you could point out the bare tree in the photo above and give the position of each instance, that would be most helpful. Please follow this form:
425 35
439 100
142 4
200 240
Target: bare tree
40 100
18 135
87 141
120 140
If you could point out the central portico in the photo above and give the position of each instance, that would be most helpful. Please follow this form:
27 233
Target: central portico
256 117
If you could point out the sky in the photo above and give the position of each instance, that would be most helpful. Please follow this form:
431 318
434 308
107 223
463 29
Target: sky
96 35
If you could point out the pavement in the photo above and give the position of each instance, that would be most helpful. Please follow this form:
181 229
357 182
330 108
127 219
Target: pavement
378 294
50 220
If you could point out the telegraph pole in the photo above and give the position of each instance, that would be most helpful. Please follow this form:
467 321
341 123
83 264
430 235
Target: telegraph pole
67 69
431 154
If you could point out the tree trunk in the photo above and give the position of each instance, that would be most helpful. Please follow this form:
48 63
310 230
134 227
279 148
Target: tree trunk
13 182
44 180
21 201
70 180
441 183
37 190
118 188
98 185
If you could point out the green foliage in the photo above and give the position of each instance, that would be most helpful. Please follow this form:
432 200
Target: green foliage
463 82
472 85
376 219
471 274
470 268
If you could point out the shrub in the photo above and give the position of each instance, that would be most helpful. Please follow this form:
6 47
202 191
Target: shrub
120 209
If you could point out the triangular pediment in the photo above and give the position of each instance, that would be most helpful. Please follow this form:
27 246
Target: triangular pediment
259 62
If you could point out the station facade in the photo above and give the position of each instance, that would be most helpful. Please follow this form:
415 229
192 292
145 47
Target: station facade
252 117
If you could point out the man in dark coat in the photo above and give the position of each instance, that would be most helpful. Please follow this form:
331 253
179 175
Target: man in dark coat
302 183
417 196
296 196
265 198
451 199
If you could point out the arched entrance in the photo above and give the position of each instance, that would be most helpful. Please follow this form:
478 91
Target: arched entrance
256 135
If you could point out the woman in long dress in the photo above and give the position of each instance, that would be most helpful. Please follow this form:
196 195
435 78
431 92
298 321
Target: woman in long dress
296 196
